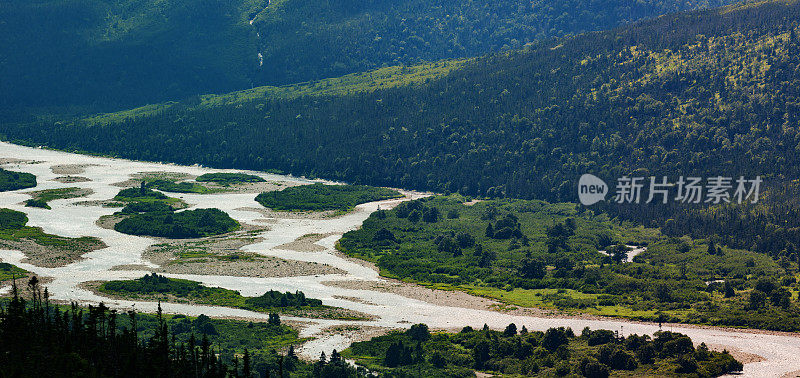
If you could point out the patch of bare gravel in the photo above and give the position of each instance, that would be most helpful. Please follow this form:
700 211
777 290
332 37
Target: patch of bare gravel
252 187
244 187
268 213
354 299
132 267
222 256
108 221
742 357
355 332
306 243
136 178
53 256
439 297
258 267
8 160
70 179
164 175
70 169
100 203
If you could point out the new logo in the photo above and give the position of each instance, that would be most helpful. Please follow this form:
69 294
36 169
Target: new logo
591 189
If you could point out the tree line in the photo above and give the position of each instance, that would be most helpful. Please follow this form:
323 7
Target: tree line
41 338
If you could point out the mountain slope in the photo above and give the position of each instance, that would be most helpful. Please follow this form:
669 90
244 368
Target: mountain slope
108 54
311 39
705 93
81 56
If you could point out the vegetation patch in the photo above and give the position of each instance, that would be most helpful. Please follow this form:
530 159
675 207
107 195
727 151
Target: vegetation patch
537 254
12 219
145 194
154 286
321 197
37 203
556 352
11 180
226 178
179 187
41 198
9 271
178 225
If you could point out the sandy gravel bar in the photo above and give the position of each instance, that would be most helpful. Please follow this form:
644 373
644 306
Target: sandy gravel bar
7 160
306 243
70 169
136 178
260 267
71 179
250 187
243 187
50 256
438 297
222 256
312 215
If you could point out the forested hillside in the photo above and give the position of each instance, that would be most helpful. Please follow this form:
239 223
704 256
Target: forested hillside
311 39
112 54
79 56
705 93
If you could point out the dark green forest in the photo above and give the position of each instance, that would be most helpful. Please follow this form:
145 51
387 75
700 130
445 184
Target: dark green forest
79 56
10 180
321 197
703 93
178 225
93 55
557 352
308 40
40 338
228 178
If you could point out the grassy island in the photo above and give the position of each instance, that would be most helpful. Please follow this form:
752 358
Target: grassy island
11 180
322 197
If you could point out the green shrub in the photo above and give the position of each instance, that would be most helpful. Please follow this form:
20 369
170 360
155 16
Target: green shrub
37 203
228 178
274 298
11 219
178 225
320 197
146 207
138 193
177 187
10 180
